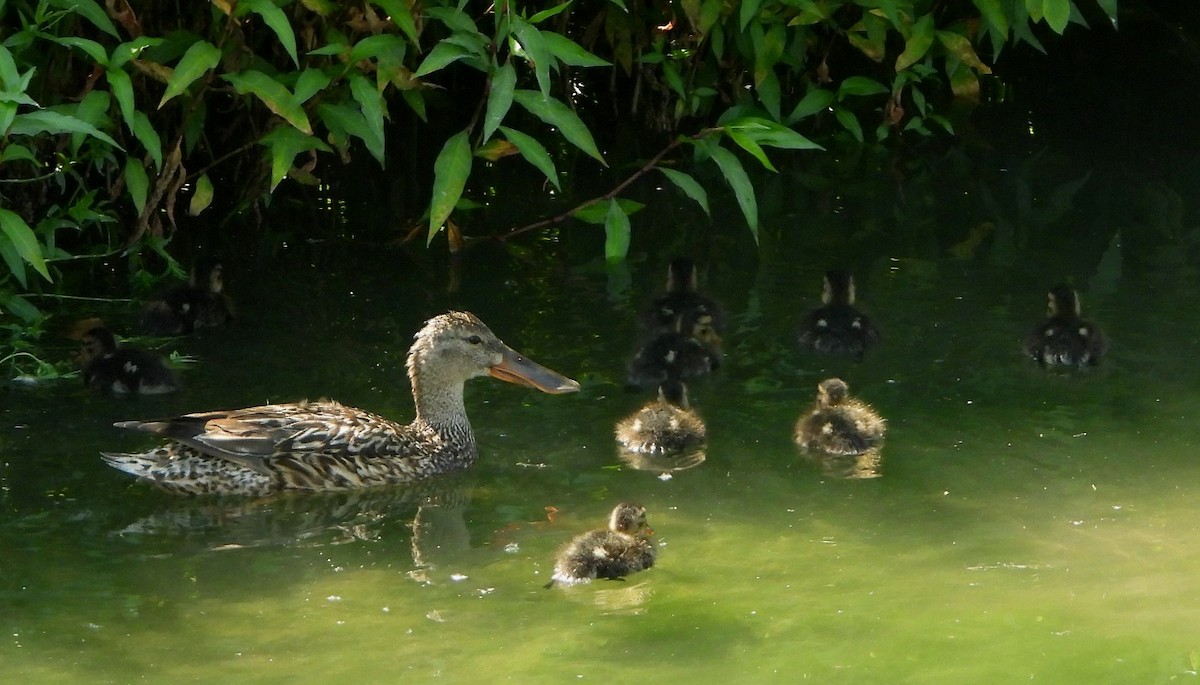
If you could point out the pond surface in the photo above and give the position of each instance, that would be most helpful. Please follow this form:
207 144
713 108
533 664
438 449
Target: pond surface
1026 525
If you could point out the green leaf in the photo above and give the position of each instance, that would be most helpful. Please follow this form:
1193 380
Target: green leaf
144 131
769 96
993 14
917 44
813 101
91 47
385 47
736 176
960 47
122 89
273 17
450 172
203 195
400 13
455 19
747 12
310 82
748 144
14 152
90 10
47 121
769 53
535 50
560 116
534 153
500 97
273 94
1057 14
369 98
137 183
616 233
9 76
547 13
123 53
23 241
17 305
441 55
569 52
771 134
201 57
284 143
688 185
850 122
860 85
597 212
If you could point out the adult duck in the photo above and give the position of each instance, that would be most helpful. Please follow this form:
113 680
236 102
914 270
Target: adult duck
614 552
1064 338
328 446
838 326
839 424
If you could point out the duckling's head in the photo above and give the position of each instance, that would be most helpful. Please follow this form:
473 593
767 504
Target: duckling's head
97 343
1063 301
206 275
681 276
673 390
832 392
702 328
839 288
630 519
457 346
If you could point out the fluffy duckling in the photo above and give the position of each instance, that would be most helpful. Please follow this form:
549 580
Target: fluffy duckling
665 426
613 553
681 297
691 349
199 303
838 327
1064 338
123 370
838 423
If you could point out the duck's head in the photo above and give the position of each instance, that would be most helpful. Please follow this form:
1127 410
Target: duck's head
97 343
206 275
1063 301
681 276
832 392
630 519
457 346
838 288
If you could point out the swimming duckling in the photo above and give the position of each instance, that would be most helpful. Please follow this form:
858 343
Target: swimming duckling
666 425
680 298
109 366
613 553
838 327
691 349
1064 338
838 423
199 303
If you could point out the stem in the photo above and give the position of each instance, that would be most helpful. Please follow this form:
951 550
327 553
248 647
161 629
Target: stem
646 168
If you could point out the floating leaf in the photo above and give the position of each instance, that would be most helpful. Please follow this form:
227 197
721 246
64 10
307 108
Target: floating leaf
616 233
688 185
534 153
450 172
196 62
560 116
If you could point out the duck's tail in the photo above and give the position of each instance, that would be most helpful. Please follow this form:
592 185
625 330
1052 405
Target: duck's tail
140 465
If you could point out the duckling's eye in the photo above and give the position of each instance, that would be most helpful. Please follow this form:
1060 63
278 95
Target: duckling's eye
475 340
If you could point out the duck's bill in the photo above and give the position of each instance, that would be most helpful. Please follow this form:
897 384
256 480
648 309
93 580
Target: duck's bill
515 368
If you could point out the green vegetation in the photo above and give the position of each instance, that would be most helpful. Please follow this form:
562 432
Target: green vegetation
113 118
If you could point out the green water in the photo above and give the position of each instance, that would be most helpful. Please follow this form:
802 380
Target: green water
1026 525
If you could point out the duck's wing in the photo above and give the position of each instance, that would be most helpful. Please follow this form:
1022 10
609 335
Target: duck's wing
254 435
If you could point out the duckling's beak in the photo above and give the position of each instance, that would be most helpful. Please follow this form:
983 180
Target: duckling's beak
515 368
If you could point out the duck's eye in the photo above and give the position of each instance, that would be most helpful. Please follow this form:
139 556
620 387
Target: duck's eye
475 340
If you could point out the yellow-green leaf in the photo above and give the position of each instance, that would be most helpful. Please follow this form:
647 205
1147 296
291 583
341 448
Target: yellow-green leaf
202 196
917 44
23 241
450 172
273 94
196 62
137 183
616 233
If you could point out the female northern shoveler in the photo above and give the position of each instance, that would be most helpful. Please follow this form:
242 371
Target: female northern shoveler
199 303
839 424
328 446
1064 338
108 365
615 552
838 327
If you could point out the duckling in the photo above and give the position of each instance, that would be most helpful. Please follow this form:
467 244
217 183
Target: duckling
199 303
839 424
614 553
680 298
666 425
838 327
1064 338
690 349
123 370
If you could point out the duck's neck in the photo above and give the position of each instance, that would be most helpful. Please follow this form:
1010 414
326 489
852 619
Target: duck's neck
439 404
